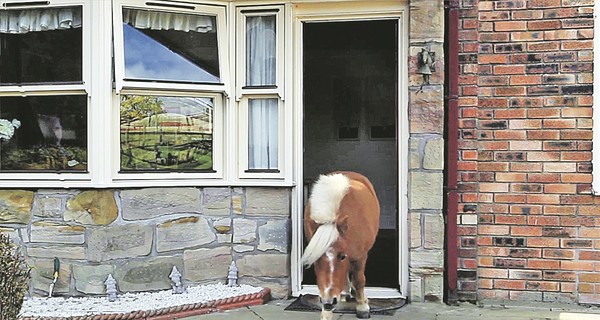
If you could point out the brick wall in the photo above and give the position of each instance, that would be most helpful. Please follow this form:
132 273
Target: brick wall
527 218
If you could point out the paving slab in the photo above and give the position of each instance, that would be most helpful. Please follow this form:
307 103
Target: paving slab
274 310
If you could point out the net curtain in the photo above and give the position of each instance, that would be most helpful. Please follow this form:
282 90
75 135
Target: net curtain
155 20
31 20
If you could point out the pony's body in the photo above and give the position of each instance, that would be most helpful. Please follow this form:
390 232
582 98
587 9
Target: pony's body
341 223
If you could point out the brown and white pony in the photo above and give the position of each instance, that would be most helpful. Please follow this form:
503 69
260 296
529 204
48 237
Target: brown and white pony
341 221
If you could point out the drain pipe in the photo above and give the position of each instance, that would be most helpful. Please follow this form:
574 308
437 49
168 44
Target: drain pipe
451 164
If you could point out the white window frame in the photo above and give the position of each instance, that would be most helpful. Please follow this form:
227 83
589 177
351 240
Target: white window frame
196 7
596 104
168 177
9 178
245 93
253 11
244 171
217 91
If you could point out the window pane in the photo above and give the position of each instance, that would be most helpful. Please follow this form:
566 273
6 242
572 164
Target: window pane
166 46
40 46
43 133
262 134
261 51
161 133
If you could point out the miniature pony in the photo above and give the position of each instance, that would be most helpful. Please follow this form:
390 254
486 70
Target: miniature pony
341 222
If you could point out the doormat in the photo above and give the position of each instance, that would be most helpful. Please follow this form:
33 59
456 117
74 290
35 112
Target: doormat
384 307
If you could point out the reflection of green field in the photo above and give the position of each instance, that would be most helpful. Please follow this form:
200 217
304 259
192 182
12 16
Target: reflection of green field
166 151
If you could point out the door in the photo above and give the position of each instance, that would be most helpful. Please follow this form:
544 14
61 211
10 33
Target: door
350 103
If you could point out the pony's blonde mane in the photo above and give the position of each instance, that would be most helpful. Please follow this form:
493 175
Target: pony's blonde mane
325 199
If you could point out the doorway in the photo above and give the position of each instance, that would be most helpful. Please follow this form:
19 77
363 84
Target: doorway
350 81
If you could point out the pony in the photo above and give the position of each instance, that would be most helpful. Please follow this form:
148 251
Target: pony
341 221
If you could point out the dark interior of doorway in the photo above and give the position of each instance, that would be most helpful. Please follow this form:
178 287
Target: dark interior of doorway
350 111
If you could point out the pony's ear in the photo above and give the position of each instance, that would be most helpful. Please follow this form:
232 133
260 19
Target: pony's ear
342 225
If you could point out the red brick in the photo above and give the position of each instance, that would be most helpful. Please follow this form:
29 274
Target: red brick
510 25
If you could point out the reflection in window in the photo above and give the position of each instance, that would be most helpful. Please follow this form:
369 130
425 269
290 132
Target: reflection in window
161 133
167 46
260 51
262 134
40 46
45 133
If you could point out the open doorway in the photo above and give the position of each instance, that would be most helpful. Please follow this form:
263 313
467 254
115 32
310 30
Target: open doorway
350 81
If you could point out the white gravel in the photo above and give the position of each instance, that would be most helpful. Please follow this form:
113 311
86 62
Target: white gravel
128 302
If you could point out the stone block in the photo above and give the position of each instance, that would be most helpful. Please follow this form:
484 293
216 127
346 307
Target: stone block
54 232
433 233
62 252
13 234
42 274
147 274
224 230
429 259
244 230
263 265
280 288
434 287
183 233
150 203
48 206
216 201
241 248
237 200
15 206
206 264
273 236
425 190
414 153
94 207
426 110
90 279
426 20
433 158
268 201
416 289
414 222
127 241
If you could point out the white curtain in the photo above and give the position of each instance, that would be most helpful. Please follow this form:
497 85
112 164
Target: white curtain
263 147
261 51
30 20
156 20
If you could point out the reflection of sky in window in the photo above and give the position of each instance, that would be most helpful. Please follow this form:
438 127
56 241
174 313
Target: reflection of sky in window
146 58
189 106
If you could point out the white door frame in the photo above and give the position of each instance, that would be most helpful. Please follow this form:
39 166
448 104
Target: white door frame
350 11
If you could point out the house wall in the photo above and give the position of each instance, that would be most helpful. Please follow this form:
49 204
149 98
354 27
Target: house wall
138 235
527 218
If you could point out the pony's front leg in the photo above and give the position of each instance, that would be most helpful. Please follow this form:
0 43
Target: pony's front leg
363 311
326 315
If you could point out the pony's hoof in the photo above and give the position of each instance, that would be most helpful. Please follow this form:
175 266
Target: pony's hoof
363 314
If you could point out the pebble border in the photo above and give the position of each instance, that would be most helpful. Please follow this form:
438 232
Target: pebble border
186 310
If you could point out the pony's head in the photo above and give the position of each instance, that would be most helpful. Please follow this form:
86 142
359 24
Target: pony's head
332 272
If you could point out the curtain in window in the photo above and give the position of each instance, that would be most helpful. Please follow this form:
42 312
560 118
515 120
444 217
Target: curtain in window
262 136
260 51
168 21
30 20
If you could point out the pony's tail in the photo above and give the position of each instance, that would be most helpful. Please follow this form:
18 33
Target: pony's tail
323 238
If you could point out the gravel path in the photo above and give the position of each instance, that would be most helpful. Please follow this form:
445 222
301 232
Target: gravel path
128 302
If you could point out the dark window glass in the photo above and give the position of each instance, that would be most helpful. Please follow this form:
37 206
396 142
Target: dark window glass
41 46
161 133
43 133
174 47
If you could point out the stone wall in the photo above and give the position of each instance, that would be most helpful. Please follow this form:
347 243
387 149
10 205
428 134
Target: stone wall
426 154
138 235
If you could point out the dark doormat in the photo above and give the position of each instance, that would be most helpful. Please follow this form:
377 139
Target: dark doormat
385 307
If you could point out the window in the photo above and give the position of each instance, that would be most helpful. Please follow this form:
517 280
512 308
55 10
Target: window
260 79
128 93
171 78
43 96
